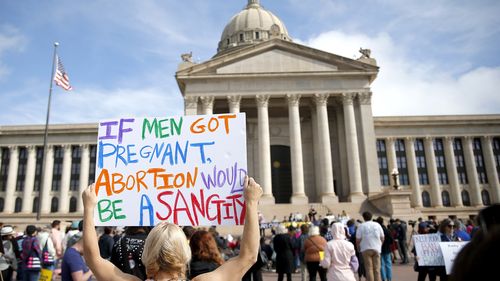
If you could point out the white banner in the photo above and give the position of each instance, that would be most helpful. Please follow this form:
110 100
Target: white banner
450 250
188 170
428 251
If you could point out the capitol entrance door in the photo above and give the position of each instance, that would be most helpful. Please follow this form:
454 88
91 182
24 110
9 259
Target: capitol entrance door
281 173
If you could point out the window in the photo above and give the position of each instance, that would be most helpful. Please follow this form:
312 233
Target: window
440 161
382 163
72 204
38 169
2 202
426 199
257 35
57 170
93 151
421 164
485 196
76 156
465 198
446 198
399 145
496 154
54 205
241 37
4 169
21 168
35 205
478 158
18 206
459 160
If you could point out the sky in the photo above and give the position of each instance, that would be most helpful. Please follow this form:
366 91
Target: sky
436 57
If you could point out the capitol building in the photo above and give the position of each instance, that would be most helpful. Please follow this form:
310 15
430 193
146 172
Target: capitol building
312 139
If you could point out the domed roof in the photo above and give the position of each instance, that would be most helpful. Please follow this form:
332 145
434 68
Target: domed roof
252 25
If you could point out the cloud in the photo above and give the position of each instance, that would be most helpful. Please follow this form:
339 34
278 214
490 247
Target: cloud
10 40
91 105
407 86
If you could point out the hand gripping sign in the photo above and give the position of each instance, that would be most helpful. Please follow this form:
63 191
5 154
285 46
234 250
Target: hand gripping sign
188 170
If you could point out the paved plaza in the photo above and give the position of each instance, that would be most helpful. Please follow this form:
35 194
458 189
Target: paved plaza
399 273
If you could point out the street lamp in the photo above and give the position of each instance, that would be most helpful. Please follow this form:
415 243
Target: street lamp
395 174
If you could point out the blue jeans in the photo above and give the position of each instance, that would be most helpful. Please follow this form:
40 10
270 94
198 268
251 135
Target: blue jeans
386 266
31 275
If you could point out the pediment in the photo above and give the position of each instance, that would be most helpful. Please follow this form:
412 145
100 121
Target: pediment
276 61
276 57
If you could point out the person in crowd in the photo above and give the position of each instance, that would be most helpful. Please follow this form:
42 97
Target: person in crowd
166 252
314 249
385 254
118 233
478 259
369 238
401 229
312 214
8 260
460 232
127 251
304 234
31 255
294 239
106 243
57 236
46 244
188 231
284 255
446 233
72 230
340 257
205 256
73 267
255 272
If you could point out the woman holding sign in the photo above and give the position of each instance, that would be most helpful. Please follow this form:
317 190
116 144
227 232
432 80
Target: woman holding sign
167 251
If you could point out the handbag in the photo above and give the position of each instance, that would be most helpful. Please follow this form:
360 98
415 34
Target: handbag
354 263
47 258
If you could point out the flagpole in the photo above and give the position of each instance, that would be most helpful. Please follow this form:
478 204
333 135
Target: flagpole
42 183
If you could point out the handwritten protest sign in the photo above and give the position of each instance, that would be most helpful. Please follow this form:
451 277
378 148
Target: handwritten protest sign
188 170
450 250
428 251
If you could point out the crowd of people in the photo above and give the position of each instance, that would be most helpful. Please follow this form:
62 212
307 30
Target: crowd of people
331 248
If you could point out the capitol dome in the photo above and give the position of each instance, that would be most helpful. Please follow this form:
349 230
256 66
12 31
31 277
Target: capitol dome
252 25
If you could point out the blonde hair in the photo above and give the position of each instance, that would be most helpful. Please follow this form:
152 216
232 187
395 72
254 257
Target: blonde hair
166 249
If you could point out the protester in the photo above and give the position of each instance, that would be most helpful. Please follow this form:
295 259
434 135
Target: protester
284 255
31 255
73 267
205 256
385 254
401 229
166 251
106 243
338 256
48 249
369 238
57 236
8 261
314 248
128 250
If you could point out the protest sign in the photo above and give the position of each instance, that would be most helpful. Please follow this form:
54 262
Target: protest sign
45 275
188 170
450 250
428 251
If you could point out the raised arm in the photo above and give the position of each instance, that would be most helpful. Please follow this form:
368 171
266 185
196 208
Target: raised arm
235 268
102 269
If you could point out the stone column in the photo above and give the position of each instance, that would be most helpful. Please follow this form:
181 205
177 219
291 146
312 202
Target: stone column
430 159
416 192
316 153
11 179
470 165
234 103
190 105
298 196
208 104
368 140
328 193
391 157
491 170
47 180
84 174
451 170
353 161
29 180
264 149
65 179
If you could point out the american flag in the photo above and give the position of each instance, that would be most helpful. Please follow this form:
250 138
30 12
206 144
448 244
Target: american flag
61 77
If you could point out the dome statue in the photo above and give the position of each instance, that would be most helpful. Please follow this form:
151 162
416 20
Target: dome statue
252 25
